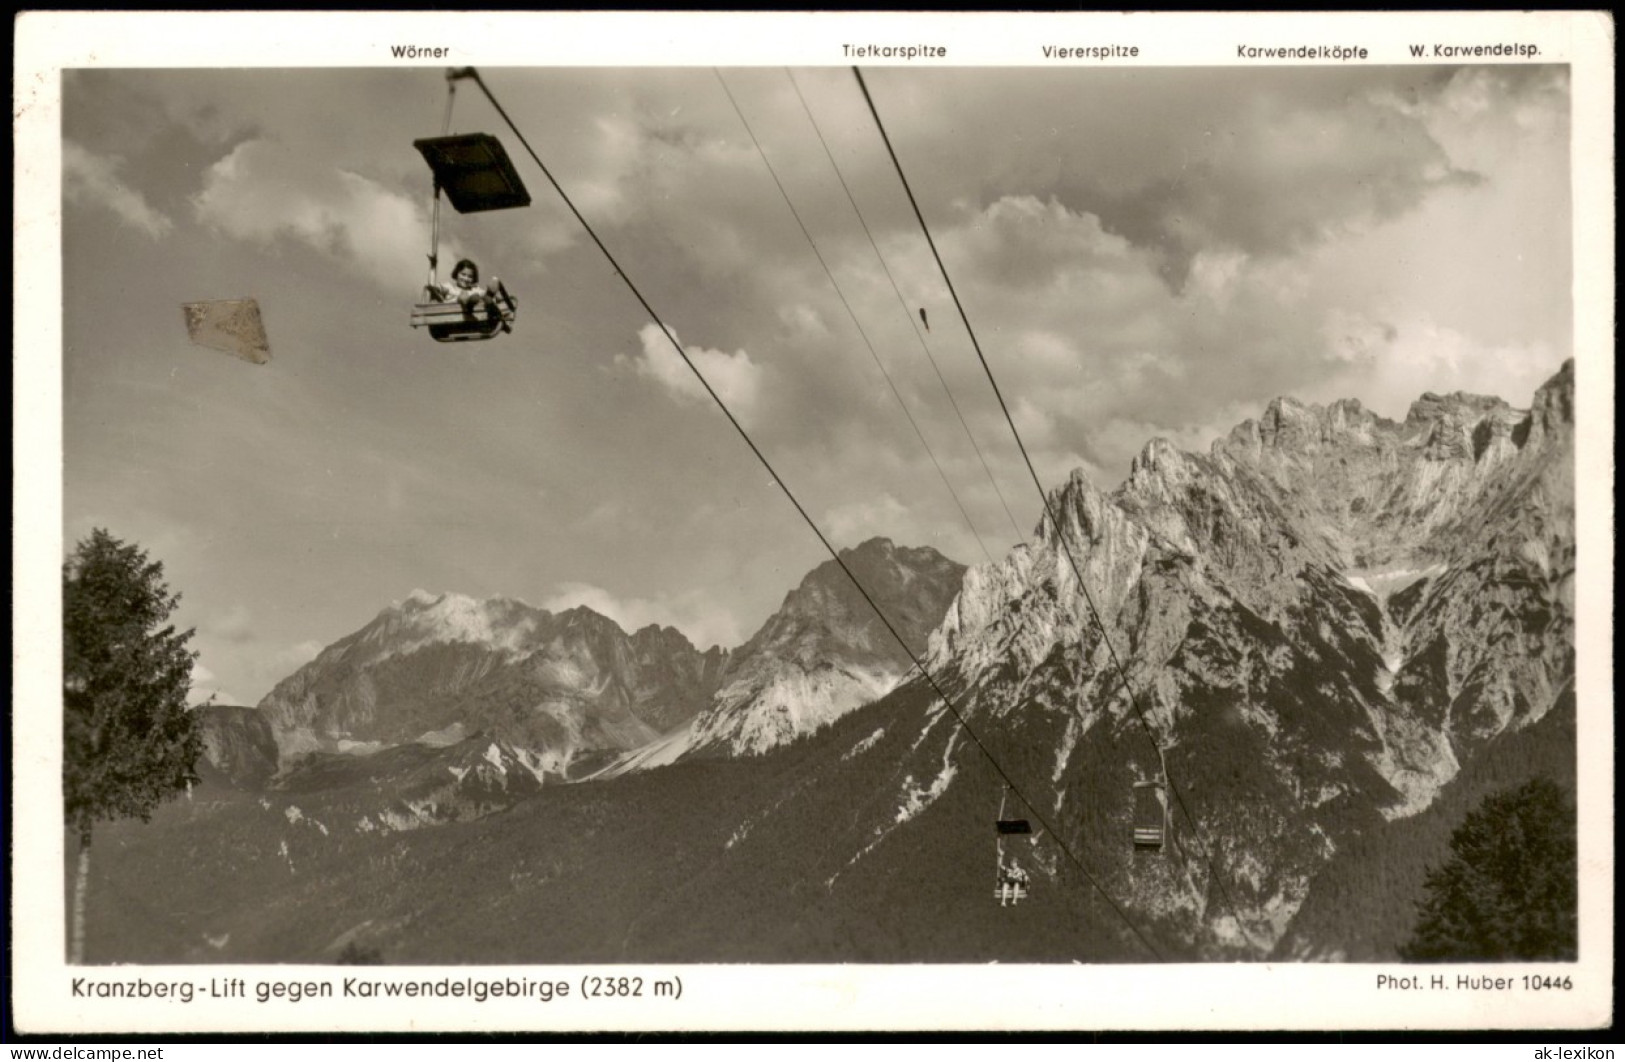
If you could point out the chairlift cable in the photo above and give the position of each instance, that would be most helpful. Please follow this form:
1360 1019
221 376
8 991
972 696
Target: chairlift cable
890 383
807 517
1072 561
924 346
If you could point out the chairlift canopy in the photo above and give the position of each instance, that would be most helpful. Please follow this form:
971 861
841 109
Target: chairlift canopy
474 171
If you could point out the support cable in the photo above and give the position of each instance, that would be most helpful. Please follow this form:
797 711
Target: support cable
1049 510
807 518
903 303
902 405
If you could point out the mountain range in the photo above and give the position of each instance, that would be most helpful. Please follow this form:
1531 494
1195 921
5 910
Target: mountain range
1323 638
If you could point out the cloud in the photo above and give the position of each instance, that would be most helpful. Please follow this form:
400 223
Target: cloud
92 178
1262 162
206 688
265 667
735 378
701 619
1291 175
1132 436
1388 365
299 654
263 191
235 626
885 516
248 661
1022 241
1481 113
1285 176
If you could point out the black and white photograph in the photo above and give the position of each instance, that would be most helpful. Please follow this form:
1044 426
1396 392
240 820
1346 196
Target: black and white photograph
523 536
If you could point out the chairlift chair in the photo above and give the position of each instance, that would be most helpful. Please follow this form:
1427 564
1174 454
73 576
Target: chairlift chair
451 322
1150 815
476 174
1011 881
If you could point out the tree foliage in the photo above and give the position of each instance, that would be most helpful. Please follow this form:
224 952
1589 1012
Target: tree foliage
1510 890
128 740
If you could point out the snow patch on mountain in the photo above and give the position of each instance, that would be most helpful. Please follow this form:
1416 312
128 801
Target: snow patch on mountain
754 717
937 712
411 815
661 752
917 798
865 745
1069 741
427 620
295 816
825 652
1383 583
445 737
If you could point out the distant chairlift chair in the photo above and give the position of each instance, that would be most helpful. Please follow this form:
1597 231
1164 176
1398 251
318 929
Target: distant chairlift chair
1150 815
1010 884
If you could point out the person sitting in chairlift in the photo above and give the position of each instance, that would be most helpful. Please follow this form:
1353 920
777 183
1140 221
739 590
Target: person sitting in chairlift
469 293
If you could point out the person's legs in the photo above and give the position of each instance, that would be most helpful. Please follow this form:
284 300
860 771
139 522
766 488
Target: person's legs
493 305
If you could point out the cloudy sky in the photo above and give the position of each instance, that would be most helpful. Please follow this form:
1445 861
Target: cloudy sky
1141 252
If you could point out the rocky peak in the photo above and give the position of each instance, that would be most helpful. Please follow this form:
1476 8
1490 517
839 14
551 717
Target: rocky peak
239 748
1349 422
1458 406
1081 508
1289 424
1449 438
655 637
1551 414
1249 596
825 652
424 617
565 686
1160 457
1370 490
878 547
1289 427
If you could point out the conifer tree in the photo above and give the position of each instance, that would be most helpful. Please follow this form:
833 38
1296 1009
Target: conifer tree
1510 890
128 740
